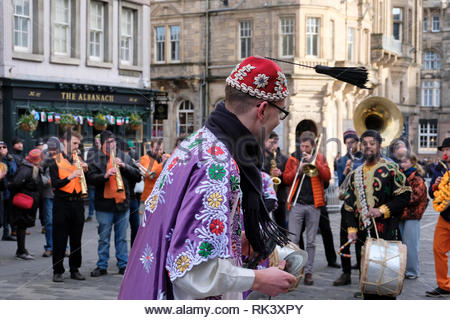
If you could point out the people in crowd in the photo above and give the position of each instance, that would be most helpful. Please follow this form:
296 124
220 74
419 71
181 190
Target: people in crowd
68 206
17 150
272 153
410 220
111 203
11 169
153 161
26 187
53 148
377 189
311 197
441 243
350 161
91 155
134 197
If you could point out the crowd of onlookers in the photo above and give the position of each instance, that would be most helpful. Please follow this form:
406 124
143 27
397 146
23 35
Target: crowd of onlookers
45 184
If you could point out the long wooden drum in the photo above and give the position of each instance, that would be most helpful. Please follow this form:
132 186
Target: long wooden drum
383 265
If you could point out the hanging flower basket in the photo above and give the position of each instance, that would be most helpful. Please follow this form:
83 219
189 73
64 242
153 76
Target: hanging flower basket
100 122
135 122
27 122
100 127
67 122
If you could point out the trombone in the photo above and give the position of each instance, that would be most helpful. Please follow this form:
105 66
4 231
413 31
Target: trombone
143 170
309 169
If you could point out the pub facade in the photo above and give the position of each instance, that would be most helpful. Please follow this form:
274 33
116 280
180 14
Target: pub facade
76 60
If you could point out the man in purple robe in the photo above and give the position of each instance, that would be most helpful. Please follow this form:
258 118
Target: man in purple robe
190 243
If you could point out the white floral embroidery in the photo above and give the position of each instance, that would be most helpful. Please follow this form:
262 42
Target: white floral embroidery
147 258
261 80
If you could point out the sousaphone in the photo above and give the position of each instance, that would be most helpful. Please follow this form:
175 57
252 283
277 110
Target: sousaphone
380 114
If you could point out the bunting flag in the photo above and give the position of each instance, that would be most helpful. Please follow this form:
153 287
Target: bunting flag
79 119
112 120
119 121
36 115
127 120
90 121
50 117
57 117
43 116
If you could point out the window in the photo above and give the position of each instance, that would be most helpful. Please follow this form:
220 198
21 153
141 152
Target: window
350 43
127 36
157 128
435 24
96 31
428 135
287 37
22 25
185 118
160 39
430 93
425 24
397 14
332 35
175 43
431 61
61 27
245 39
312 37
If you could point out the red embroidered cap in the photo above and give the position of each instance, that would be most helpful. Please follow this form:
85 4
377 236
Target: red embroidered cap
259 77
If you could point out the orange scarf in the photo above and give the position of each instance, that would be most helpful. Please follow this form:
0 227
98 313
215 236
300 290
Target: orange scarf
110 191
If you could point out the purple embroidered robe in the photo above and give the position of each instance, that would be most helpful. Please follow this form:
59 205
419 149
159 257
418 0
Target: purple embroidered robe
188 218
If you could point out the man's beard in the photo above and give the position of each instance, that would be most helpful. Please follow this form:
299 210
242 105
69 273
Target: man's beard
371 157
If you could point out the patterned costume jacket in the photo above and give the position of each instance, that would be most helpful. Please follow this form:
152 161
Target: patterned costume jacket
384 184
188 218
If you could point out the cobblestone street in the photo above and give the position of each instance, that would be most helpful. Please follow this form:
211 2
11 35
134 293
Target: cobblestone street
33 279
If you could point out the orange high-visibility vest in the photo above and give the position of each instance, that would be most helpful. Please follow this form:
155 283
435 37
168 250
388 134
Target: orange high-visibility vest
65 169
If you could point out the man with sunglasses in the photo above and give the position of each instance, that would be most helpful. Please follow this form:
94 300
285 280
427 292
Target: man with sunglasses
190 243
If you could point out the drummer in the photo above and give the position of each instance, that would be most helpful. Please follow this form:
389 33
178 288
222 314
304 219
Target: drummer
386 195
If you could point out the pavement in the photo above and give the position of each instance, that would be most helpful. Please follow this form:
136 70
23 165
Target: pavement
33 279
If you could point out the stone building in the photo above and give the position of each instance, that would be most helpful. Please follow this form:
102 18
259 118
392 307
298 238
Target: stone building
433 115
74 56
197 43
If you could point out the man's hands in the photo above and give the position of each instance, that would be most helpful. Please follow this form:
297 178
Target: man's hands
352 236
374 212
347 167
273 281
120 163
276 172
75 174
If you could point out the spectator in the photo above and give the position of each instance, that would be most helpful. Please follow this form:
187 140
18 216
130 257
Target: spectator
27 182
112 207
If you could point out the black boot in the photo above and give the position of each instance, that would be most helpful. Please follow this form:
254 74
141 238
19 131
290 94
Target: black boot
343 280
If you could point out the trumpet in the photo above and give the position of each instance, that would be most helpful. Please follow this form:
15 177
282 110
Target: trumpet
84 188
143 170
119 180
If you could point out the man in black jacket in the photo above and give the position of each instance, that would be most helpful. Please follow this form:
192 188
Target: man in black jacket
68 206
111 206
272 152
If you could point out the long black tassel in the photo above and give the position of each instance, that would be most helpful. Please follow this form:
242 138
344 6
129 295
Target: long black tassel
357 76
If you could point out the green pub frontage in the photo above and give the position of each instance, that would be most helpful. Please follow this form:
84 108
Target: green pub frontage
33 110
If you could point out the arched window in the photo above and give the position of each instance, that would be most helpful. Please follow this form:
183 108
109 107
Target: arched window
185 118
431 61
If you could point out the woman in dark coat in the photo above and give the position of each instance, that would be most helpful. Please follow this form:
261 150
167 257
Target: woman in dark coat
28 181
